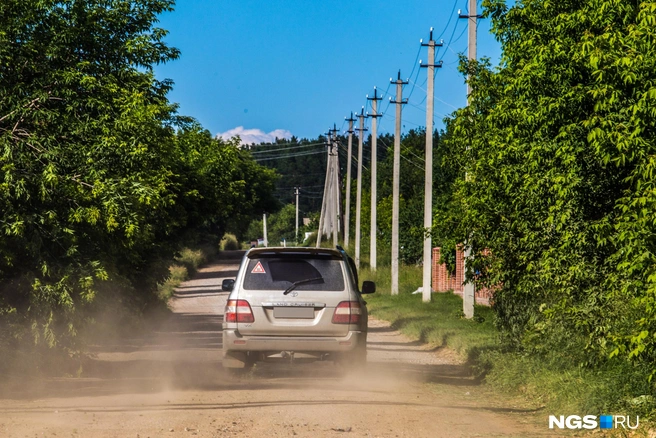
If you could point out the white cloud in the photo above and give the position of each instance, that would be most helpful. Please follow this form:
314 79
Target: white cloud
257 136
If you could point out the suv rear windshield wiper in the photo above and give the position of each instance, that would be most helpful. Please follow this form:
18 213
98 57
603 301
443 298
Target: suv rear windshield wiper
299 282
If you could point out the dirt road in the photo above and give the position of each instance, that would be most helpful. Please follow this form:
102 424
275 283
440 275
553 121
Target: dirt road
170 384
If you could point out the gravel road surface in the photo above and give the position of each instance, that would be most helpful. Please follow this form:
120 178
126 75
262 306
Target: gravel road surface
170 384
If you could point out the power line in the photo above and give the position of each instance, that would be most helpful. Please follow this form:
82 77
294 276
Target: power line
354 159
300 154
460 36
413 81
437 98
302 187
453 10
286 148
414 64
448 45
405 158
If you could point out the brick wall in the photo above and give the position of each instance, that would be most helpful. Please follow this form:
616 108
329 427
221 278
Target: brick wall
444 282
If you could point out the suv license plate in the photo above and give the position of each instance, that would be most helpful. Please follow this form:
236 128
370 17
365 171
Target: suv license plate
293 312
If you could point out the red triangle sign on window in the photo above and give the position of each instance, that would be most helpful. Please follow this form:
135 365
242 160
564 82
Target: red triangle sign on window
258 269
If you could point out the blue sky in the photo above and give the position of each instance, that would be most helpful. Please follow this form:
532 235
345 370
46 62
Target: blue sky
299 66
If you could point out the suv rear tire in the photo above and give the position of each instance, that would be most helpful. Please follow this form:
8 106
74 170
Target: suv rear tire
230 359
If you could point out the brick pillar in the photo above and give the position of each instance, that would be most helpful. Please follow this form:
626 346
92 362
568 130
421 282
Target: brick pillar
436 270
460 269
441 278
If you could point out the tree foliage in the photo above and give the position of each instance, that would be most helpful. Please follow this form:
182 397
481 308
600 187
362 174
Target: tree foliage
99 176
557 178
300 163
411 189
281 226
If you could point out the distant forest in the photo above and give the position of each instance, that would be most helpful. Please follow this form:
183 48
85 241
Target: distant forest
302 163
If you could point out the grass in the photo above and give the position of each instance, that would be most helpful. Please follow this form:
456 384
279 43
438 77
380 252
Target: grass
186 264
438 322
550 381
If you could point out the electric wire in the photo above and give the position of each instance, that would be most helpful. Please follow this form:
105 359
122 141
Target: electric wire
356 161
273 144
302 154
448 45
453 10
459 36
436 98
285 148
405 158
414 65
413 81
301 187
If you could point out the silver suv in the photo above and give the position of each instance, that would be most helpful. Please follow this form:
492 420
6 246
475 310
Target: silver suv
295 302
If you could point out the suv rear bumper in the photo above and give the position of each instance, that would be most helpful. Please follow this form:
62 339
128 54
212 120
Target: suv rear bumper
233 341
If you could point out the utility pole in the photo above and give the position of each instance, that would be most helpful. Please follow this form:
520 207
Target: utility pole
374 195
472 27
428 182
296 192
324 201
358 195
264 226
468 291
395 183
347 208
335 181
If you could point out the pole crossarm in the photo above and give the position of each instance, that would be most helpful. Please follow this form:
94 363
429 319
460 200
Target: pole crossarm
461 15
438 65
350 120
431 42
376 98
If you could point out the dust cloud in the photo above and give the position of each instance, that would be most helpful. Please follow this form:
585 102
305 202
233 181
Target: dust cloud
164 378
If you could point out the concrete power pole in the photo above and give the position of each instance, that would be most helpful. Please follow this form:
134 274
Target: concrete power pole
347 208
296 192
428 182
395 182
264 230
358 195
335 184
374 195
468 292
324 201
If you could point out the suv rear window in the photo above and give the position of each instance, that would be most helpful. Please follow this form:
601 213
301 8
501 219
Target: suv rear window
278 272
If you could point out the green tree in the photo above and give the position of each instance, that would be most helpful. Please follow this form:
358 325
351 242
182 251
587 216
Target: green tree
99 177
411 188
86 134
556 146
280 226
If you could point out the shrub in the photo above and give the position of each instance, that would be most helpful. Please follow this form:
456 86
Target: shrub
191 259
229 242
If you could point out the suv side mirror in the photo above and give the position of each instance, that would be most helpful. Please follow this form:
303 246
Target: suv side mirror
227 285
368 287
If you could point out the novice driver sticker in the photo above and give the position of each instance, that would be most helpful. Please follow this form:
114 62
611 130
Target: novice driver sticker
258 269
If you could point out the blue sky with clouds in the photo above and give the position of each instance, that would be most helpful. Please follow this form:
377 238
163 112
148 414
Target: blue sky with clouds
280 67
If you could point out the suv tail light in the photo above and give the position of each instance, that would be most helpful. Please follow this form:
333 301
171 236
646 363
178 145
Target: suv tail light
347 312
238 311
